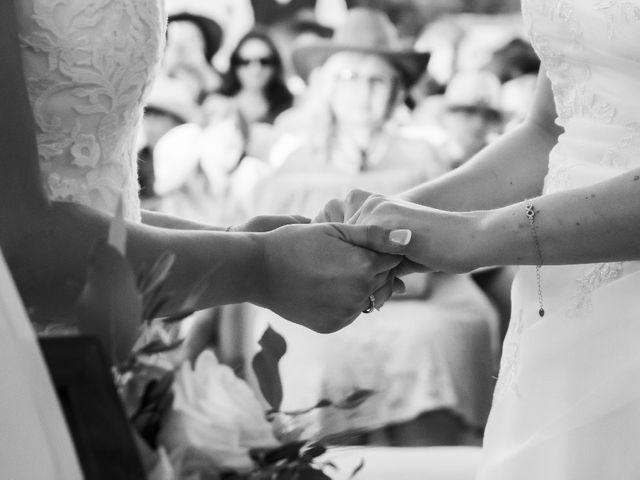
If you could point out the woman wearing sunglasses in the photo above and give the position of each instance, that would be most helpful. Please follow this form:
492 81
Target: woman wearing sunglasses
253 92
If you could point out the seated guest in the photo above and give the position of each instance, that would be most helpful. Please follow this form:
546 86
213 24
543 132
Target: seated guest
169 105
253 92
193 38
428 357
471 117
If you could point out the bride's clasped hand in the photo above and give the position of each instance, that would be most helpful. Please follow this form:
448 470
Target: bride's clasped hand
441 241
322 276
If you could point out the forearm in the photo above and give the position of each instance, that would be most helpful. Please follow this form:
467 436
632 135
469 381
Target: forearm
50 252
599 223
162 220
507 171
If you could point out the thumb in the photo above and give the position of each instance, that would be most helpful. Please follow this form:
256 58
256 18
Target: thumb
377 238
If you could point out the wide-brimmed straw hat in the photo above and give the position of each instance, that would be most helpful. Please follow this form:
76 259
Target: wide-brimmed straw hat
196 12
367 31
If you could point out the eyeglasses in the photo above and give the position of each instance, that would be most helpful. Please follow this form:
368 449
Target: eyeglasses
374 81
262 61
488 114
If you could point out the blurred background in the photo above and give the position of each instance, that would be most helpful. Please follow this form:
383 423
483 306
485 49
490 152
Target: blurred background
277 106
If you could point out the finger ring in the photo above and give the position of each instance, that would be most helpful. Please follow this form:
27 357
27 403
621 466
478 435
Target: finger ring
372 304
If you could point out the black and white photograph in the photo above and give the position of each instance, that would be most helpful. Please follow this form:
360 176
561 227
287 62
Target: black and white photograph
319 239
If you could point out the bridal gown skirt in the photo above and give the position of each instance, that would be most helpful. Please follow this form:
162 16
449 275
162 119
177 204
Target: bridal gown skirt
567 403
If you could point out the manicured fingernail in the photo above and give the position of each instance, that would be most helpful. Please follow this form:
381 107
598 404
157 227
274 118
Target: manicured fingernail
400 237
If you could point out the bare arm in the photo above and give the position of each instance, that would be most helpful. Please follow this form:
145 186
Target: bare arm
45 240
259 223
511 169
596 223
479 216
314 275
162 220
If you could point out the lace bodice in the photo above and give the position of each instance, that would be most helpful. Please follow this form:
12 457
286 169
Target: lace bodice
591 51
88 64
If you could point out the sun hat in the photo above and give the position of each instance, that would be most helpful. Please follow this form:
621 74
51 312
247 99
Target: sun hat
197 13
475 89
305 21
368 31
171 96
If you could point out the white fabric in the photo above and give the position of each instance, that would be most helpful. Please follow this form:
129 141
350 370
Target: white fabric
415 463
34 440
88 65
416 355
567 403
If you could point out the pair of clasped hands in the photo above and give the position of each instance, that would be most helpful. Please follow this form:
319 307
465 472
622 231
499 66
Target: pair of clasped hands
347 261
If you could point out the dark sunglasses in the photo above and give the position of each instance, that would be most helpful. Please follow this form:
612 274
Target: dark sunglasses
263 61
488 114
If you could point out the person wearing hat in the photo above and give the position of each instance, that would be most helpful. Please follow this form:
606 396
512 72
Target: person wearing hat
354 139
193 38
168 105
471 117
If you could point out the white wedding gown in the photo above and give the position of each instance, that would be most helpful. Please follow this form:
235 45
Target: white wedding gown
567 403
88 65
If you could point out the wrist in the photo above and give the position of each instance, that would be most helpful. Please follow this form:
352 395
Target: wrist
504 237
476 233
244 267
257 269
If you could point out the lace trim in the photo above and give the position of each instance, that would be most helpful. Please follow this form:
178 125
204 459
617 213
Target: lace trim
510 363
569 79
616 155
558 175
616 13
601 274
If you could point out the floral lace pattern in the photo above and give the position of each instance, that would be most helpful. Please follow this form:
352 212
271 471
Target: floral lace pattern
600 275
569 76
510 361
617 11
621 154
88 65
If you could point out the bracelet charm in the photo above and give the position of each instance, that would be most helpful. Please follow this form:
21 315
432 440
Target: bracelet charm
530 212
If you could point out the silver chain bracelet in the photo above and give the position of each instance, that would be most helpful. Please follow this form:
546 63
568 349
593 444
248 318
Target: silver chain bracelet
531 216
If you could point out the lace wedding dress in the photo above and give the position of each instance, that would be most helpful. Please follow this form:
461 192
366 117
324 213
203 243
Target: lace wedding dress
567 402
88 65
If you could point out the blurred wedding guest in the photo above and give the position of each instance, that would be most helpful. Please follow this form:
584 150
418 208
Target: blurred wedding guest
442 38
292 31
471 116
428 357
193 38
329 12
168 105
236 18
253 93
203 180
514 59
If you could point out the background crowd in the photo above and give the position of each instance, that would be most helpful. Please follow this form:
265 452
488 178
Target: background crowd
277 107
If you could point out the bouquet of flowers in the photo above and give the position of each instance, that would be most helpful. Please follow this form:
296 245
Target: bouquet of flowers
195 422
